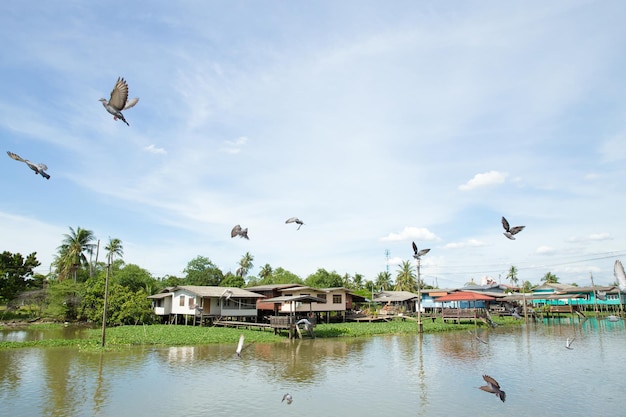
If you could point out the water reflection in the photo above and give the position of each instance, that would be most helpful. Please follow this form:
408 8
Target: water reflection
424 375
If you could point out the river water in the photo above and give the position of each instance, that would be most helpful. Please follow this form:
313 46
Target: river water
415 375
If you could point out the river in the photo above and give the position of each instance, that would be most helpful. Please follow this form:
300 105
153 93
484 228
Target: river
403 375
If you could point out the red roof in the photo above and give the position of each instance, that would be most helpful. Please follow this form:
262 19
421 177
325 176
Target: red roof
464 296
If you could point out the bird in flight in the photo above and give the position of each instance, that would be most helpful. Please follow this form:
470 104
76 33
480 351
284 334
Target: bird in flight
295 220
618 269
38 168
287 397
119 100
416 253
510 231
493 387
227 294
601 295
568 343
240 346
238 231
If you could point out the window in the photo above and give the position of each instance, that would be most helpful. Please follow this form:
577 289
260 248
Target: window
337 299
322 296
192 302
182 301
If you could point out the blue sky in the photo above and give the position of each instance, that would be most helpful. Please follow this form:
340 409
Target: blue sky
377 123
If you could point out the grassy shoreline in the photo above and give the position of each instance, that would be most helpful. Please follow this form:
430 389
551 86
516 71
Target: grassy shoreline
171 335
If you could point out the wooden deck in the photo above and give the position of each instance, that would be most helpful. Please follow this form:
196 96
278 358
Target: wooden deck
459 314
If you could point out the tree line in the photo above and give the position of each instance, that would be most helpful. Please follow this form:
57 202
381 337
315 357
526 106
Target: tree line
74 288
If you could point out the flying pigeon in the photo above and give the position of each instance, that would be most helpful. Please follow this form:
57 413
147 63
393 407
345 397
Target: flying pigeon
38 168
568 343
515 314
240 347
238 231
295 220
481 340
119 100
620 275
227 294
510 231
493 387
601 295
287 397
417 253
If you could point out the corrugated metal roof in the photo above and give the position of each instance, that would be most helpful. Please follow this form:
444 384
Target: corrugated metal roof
297 298
206 291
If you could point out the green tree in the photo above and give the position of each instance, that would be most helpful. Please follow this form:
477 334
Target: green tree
265 272
64 300
527 287
512 276
282 276
245 265
16 274
405 280
231 280
324 279
114 248
357 282
550 278
71 253
383 280
133 277
201 271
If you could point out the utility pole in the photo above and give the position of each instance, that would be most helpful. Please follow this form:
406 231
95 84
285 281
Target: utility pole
106 301
595 294
418 256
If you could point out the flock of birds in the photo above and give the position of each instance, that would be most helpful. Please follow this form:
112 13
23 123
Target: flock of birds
118 101
241 232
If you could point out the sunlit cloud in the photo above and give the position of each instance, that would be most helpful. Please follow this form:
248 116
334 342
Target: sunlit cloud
594 237
153 149
234 146
545 250
485 179
417 233
468 243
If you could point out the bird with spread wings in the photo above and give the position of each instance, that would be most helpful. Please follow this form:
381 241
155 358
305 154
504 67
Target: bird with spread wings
38 168
119 100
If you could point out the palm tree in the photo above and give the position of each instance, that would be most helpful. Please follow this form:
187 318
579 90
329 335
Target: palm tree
345 280
265 272
550 278
512 276
113 248
383 280
357 281
72 252
405 280
245 265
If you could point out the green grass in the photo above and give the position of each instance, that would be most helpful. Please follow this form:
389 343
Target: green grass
171 335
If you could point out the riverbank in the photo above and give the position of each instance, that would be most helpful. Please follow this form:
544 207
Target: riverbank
171 335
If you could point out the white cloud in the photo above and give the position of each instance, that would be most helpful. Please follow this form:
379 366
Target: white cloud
594 237
234 146
417 233
468 243
153 149
545 250
484 180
